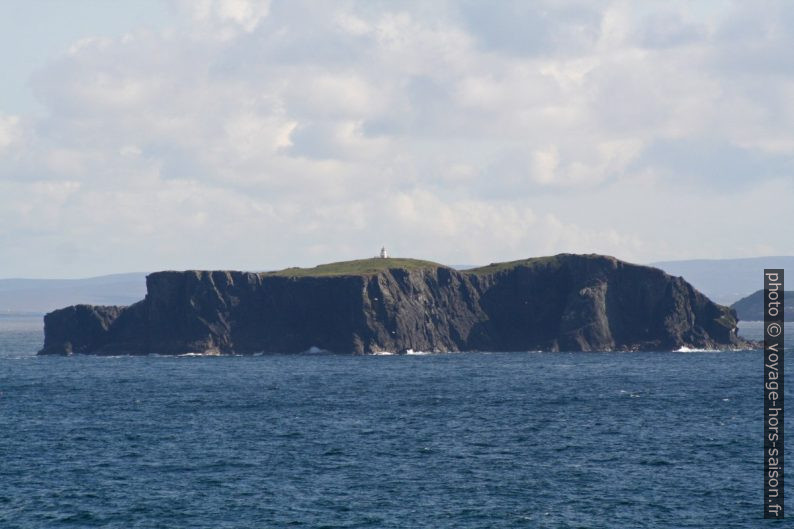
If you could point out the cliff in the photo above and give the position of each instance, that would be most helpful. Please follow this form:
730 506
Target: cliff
566 302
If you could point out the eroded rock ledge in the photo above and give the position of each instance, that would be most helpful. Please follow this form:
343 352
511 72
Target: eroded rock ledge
561 303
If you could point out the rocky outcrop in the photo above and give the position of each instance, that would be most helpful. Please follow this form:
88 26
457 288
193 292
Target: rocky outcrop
566 302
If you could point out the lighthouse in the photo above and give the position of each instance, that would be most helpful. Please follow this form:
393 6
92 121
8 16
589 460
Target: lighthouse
383 253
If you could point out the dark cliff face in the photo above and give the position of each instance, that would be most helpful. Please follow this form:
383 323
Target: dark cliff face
78 329
568 302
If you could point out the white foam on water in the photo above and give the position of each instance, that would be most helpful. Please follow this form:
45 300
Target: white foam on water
314 350
685 349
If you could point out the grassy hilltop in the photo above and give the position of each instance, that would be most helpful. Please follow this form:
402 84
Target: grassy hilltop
357 267
377 264
532 262
509 265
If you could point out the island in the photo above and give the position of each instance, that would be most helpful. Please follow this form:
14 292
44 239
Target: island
566 302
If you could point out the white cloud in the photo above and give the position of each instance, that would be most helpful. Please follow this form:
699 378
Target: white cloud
224 19
257 135
10 132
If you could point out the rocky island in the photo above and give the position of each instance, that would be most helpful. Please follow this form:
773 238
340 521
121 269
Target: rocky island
565 302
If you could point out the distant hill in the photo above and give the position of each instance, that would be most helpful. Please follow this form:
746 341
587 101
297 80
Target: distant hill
44 295
727 280
723 280
751 308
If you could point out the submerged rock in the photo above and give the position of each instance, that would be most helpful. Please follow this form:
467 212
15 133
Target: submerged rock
565 302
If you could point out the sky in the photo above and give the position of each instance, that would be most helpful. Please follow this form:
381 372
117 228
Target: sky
232 134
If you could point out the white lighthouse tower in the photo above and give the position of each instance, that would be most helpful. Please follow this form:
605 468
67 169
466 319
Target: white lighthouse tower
383 253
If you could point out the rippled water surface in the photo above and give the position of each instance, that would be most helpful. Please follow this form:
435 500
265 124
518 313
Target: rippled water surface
472 440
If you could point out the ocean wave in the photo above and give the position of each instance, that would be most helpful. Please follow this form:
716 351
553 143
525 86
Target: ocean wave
685 349
314 350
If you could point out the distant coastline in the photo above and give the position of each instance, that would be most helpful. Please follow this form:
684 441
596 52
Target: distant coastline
39 296
751 308
20 314
726 280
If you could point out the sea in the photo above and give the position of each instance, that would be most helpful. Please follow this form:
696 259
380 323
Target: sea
458 440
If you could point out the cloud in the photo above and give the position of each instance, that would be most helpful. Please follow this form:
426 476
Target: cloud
10 132
534 28
701 162
259 135
668 30
223 19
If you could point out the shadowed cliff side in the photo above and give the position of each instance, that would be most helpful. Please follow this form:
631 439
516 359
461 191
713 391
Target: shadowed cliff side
566 302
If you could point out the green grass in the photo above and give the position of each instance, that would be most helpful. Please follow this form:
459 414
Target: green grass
550 260
357 267
509 265
375 265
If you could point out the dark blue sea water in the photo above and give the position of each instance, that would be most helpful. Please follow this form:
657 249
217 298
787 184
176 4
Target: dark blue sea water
471 440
